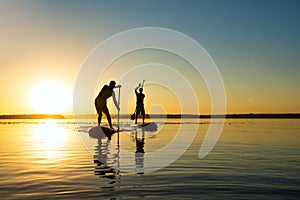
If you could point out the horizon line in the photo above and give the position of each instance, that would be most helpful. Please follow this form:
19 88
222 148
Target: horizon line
231 115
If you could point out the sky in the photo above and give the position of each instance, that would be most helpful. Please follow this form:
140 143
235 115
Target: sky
254 44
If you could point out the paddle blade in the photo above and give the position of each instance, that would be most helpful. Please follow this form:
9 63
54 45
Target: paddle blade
132 117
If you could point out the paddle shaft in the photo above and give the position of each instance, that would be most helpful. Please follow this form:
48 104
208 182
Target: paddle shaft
143 83
119 108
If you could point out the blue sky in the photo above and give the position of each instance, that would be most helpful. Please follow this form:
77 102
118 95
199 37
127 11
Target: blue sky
255 44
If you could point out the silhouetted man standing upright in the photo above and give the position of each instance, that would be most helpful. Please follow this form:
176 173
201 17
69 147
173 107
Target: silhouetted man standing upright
139 103
100 102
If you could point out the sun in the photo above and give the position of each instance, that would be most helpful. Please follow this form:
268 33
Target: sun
50 97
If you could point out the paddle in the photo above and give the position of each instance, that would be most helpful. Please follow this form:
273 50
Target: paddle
119 86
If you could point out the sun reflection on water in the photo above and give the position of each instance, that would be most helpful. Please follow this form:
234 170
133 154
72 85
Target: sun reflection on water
48 139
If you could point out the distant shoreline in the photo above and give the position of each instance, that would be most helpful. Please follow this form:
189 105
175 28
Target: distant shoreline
32 116
169 116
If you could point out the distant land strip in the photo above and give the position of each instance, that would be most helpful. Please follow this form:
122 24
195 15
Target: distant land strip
234 116
168 116
32 116
256 116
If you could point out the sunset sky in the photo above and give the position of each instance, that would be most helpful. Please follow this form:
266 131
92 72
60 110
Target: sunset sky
255 45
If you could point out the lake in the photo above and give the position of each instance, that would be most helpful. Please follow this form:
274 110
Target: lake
54 159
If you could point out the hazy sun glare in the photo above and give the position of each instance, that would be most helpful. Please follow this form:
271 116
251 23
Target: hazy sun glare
50 98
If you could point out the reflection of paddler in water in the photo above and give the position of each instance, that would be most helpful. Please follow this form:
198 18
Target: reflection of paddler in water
100 102
139 102
139 153
101 158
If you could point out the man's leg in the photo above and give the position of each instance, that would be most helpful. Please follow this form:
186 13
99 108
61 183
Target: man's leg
99 111
106 112
137 114
143 113
99 118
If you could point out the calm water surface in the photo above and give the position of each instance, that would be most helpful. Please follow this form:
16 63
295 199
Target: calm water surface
46 159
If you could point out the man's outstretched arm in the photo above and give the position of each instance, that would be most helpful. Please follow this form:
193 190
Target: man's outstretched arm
115 100
137 88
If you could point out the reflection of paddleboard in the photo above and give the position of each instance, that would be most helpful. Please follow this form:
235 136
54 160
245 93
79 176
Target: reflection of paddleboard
100 132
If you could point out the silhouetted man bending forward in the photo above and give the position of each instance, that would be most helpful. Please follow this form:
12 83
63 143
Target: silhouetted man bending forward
100 102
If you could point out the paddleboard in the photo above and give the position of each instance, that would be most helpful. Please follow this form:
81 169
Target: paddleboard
150 126
100 132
